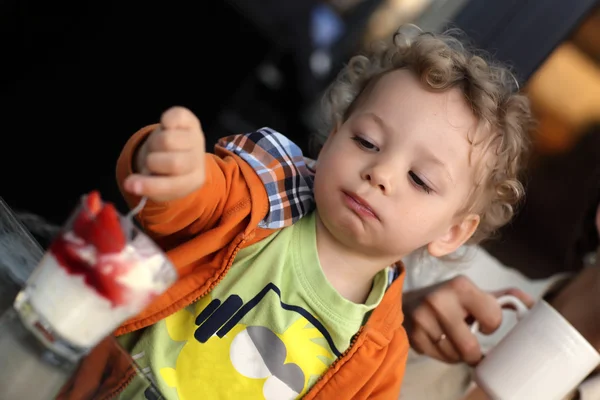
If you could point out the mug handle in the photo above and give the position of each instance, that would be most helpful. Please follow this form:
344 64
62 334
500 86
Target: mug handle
507 300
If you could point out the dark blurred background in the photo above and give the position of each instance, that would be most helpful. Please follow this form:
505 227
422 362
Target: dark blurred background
80 77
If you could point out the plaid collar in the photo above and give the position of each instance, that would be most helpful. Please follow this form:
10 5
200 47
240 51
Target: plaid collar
287 175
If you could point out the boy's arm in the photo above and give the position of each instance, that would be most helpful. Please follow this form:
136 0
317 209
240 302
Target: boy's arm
198 211
263 168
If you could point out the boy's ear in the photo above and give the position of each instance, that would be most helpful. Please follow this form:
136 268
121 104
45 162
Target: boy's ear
456 236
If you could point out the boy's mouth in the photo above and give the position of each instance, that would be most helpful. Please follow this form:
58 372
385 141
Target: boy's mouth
359 205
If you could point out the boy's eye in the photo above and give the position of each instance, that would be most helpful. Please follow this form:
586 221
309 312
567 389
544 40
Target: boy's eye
419 182
365 144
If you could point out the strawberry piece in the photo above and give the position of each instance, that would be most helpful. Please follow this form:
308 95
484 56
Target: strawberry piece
92 204
105 231
81 224
110 289
107 272
101 277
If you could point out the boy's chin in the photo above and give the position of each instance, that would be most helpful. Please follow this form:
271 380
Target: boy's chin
348 228
359 241
370 242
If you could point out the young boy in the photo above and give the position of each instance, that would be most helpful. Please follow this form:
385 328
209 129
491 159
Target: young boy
283 294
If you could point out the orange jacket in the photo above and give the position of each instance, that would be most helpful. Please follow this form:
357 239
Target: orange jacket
202 234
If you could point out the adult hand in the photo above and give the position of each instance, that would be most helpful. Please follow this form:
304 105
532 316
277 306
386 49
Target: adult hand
439 318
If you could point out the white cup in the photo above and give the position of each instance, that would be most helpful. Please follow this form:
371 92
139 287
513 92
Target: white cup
542 358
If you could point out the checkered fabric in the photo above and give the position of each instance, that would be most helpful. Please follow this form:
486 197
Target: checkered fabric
287 175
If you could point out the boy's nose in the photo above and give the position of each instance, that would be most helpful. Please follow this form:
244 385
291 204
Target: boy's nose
380 179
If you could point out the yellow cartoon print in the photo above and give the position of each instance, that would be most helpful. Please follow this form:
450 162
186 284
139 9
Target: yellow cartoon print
222 356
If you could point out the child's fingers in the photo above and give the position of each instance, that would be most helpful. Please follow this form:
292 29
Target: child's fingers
162 188
171 163
134 184
174 140
155 187
179 118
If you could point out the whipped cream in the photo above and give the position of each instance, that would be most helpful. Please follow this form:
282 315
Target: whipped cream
84 296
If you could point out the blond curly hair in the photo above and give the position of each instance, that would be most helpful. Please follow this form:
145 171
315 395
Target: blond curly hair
443 61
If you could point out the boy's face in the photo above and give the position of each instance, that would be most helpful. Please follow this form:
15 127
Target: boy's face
395 176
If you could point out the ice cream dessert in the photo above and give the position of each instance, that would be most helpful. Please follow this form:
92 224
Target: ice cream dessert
96 275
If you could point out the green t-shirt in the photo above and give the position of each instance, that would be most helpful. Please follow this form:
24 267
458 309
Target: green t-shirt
268 330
